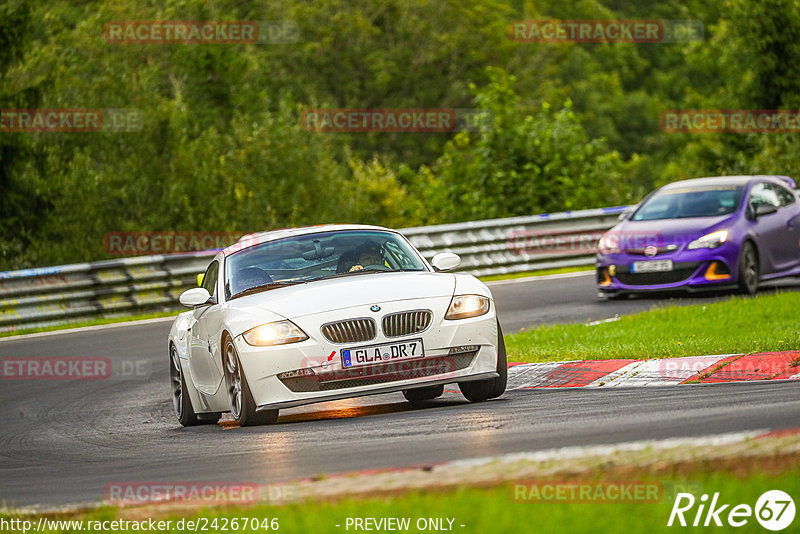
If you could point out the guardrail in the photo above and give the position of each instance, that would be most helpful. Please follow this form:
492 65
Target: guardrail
36 298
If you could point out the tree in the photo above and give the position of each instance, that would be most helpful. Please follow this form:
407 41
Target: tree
528 161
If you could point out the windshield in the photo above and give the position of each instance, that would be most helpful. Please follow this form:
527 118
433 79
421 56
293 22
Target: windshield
685 202
311 257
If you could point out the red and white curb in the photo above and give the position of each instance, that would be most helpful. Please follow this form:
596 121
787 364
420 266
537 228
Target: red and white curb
658 372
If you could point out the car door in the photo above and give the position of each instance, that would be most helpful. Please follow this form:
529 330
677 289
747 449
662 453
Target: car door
204 335
777 233
790 213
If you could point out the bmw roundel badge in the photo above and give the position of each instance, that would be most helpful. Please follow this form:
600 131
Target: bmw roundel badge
375 308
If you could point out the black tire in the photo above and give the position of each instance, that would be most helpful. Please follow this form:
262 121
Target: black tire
243 407
481 390
419 396
181 403
749 269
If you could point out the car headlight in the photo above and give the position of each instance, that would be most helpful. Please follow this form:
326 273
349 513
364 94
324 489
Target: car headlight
609 244
465 306
712 240
277 333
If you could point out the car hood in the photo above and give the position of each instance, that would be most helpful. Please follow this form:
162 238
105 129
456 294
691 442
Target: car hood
357 290
639 234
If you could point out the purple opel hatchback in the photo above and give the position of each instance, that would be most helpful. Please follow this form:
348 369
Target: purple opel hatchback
707 233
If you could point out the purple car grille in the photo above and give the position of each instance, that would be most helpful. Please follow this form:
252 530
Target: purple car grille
651 279
654 251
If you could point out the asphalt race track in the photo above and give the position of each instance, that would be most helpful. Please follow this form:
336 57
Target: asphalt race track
63 441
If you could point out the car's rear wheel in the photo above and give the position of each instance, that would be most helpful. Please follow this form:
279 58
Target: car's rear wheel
243 407
419 396
749 271
181 403
482 390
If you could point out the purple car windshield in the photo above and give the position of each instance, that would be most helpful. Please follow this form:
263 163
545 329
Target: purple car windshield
686 202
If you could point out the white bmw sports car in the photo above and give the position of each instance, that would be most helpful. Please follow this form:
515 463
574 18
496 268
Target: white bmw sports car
303 315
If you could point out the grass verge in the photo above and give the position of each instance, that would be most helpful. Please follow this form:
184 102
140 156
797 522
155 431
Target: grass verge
542 272
739 325
517 505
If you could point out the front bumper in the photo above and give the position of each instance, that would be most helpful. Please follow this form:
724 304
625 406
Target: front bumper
311 371
693 270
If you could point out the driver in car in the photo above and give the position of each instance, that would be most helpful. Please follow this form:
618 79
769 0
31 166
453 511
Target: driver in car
367 255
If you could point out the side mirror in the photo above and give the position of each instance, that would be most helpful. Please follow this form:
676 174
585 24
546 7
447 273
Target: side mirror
446 261
195 297
765 209
200 279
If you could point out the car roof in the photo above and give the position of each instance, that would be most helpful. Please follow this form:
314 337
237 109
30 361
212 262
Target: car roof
733 180
250 240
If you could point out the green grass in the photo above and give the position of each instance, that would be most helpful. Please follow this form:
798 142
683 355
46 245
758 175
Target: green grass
90 322
739 325
494 511
541 272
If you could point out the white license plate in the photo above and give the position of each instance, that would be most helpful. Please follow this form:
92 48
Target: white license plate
383 353
655 266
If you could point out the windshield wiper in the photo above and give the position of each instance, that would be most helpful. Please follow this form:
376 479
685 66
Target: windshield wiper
266 287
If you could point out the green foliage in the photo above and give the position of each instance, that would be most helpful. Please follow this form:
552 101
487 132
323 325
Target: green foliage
526 161
222 148
376 193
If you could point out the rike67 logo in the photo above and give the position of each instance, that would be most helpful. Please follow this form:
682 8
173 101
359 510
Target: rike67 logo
774 510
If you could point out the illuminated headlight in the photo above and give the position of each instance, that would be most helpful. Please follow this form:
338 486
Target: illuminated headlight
277 333
609 244
712 240
465 306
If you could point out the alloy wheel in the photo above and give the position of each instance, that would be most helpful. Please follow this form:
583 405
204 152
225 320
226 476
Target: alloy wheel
234 380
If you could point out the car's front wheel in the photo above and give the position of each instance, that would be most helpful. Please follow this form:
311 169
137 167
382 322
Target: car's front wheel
749 271
243 407
181 403
482 390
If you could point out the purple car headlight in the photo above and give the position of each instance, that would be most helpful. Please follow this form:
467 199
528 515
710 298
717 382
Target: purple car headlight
712 240
609 244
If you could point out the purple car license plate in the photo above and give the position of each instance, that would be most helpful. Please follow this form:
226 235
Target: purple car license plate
383 353
655 266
